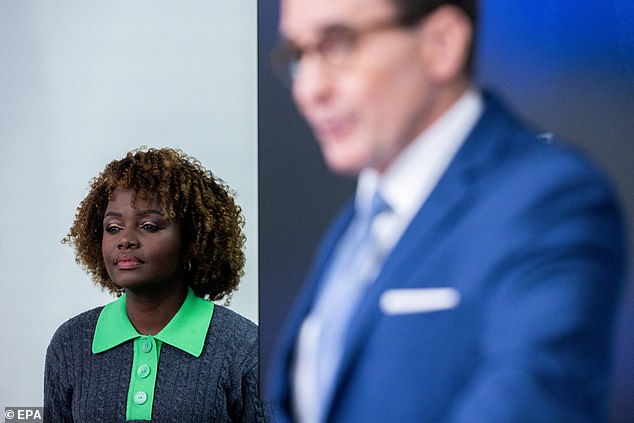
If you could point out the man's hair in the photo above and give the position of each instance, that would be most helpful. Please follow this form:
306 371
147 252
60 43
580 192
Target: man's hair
410 12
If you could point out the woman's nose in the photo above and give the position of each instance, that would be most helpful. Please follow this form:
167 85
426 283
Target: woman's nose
127 240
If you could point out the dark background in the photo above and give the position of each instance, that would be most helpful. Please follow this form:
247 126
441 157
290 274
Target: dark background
565 67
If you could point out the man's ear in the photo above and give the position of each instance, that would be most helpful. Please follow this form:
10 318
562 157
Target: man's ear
446 35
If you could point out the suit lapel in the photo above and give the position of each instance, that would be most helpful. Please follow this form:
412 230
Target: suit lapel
280 390
448 201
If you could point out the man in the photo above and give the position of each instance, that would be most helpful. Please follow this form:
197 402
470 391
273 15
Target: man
474 276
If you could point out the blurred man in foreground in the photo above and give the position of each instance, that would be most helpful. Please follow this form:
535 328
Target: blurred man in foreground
474 276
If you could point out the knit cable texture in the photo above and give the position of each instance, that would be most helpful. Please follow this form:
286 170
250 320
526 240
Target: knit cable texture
219 386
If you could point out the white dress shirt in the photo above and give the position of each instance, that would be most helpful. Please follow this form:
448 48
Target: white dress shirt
405 186
410 179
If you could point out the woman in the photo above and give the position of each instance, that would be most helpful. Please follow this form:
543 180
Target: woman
164 235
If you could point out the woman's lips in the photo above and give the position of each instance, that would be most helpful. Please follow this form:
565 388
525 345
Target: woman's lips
128 262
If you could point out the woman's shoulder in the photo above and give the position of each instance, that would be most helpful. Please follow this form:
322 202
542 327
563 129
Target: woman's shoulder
232 333
80 326
232 345
227 323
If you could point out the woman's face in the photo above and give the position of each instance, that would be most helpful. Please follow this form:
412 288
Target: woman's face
141 246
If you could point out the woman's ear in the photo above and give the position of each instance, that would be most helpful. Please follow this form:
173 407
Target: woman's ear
187 265
185 259
446 35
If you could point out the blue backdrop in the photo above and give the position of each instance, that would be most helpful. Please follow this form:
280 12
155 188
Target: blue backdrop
566 67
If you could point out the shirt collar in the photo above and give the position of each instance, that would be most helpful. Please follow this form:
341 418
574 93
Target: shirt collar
186 331
415 172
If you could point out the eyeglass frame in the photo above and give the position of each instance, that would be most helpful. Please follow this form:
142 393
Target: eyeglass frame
287 57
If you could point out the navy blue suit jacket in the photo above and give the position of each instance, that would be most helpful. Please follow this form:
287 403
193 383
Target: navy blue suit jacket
531 237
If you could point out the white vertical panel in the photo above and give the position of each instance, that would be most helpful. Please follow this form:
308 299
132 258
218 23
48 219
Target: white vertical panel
81 83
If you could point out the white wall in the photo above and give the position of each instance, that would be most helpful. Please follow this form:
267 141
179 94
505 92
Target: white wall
81 83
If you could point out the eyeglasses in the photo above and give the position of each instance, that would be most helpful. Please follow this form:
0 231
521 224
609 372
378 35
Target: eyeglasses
335 48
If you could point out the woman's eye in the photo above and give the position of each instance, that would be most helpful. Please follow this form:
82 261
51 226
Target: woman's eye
150 227
112 229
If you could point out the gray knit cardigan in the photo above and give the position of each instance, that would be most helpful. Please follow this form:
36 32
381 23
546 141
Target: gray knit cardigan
219 386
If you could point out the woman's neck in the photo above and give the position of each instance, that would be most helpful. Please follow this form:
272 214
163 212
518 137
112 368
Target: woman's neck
150 311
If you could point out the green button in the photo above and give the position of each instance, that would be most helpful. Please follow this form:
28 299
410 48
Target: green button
146 345
143 371
140 398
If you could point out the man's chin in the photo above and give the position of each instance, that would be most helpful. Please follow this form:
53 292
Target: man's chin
343 164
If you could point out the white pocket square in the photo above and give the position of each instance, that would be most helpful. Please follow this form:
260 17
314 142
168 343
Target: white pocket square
418 300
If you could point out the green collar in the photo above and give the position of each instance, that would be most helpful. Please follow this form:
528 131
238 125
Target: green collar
186 331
